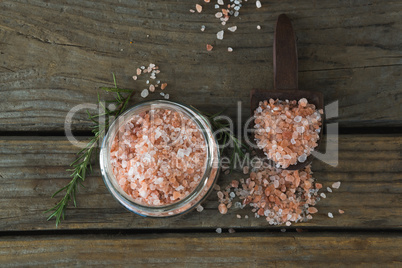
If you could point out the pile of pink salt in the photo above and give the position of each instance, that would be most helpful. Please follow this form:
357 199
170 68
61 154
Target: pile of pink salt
287 131
281 196
158 157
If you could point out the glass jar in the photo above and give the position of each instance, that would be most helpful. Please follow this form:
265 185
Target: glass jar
188 202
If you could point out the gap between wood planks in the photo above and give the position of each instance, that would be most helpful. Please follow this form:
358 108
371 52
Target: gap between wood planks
275 230
342 131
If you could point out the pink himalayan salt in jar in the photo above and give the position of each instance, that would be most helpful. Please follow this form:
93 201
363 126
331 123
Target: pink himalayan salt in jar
160 158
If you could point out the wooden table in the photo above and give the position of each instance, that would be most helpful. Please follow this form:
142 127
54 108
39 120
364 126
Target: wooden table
55 55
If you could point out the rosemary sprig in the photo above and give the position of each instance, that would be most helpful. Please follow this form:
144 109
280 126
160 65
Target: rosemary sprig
224 136
81 166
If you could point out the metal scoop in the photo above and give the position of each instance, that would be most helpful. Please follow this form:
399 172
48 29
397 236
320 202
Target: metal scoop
286 77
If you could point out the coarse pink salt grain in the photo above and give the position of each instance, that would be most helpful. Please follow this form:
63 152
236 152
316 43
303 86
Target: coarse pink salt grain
222 208
199 8
336 185
287 131
158 157
245 169
200 208
312 210
341 211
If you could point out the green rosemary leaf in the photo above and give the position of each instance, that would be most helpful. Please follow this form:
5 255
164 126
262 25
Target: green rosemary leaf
114 80
81 166
225 135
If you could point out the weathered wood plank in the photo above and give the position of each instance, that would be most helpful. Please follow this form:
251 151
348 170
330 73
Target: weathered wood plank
205 250
32 169
54 55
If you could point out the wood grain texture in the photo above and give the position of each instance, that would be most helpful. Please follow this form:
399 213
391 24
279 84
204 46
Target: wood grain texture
54 55
32 169
205 250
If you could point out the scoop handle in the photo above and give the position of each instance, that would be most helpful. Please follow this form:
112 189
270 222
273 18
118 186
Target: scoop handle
285 55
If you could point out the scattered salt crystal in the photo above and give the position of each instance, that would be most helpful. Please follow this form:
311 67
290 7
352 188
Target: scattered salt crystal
220 2
302 158
135 77
258 27
232 29
142 67
151 88
246 217
198 7
166 96
245 169
138 71
329 189
202 28
283 230
230 49
218 230
323 195
231 231
147 82
288 223
330 215
192 10
144 93
258 4
219 35
218 15
238 216
217 6
341 211
232 194
209 47
336 185
297 119
162 94
200 208
222 208
236 14
112 107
